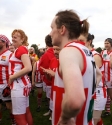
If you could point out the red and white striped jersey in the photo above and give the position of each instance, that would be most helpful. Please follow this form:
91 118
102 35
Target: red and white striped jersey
107 70
89 79
15 65
4 64
102 84
38 76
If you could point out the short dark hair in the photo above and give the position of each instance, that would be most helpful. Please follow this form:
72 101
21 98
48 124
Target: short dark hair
109 40
90 37
48 41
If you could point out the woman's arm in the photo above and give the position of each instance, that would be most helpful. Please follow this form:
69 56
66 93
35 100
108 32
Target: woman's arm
27 68
98 76
33 74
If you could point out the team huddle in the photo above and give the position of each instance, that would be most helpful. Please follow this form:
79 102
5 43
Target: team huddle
76 79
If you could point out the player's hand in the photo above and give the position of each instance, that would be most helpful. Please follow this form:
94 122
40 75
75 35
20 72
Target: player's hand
51 72
44 70
68 122
48 71
33 84
10 79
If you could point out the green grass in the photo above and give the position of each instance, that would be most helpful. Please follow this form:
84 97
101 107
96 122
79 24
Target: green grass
38 117
108 120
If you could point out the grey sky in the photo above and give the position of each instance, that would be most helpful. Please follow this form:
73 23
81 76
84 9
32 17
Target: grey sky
35 16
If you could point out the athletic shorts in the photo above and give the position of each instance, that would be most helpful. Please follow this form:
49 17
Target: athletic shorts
21 92
109 84
19 105
39 85
51 104
8 98
48 91
44 86
100 101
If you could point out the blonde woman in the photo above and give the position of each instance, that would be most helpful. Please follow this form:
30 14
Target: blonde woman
19 67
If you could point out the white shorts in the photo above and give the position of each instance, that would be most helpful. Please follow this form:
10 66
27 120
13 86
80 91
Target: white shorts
21 92
19 105
100 101
51 104
48 91
39 85
44 86
109 84
4 98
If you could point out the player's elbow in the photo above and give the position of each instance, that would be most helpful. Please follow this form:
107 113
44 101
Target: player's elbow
28 69
76 104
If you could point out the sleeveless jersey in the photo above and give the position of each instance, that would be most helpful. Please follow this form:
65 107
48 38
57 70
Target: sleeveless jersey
102 83
107 70
15 65
4 64
89 79
38 76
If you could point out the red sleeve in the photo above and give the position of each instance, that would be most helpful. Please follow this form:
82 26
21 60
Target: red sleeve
20 51
43 63
53 64
50 65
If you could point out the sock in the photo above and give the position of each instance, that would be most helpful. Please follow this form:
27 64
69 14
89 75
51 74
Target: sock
39 99
107 108
100 122
12 118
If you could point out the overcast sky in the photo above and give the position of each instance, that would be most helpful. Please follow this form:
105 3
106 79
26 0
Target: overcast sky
35 16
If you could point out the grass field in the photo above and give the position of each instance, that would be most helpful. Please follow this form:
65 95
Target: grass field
38 117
